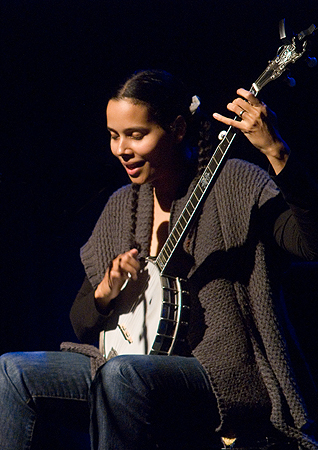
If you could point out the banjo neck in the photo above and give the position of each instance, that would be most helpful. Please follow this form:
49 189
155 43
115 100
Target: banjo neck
287 54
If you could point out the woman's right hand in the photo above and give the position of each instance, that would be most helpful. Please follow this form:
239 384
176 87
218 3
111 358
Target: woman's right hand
124 266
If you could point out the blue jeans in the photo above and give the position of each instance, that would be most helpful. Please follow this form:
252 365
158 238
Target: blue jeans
41 392
134 403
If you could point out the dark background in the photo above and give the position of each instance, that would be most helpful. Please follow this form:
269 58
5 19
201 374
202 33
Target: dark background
60 60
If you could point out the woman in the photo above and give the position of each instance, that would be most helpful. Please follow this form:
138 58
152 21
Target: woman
232 376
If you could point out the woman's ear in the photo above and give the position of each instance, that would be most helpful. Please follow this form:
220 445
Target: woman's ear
179 128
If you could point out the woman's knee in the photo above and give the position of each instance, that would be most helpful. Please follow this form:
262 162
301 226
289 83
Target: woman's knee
21 370
122 374
10 365
119 369
13 383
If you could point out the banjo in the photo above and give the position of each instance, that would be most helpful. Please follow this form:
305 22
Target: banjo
153 312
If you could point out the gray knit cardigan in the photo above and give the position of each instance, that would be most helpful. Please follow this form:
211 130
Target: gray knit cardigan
234 330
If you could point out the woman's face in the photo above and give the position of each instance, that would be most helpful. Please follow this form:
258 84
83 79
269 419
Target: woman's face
145 149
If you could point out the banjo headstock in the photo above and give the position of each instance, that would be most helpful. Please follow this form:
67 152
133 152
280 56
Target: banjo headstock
287 54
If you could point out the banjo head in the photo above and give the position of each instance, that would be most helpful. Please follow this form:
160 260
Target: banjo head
148 316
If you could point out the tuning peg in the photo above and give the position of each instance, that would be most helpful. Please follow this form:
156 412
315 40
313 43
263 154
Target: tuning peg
285 33
311 61
290 81
221 135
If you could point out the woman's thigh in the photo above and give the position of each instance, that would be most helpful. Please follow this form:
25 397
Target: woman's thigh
168 398
41 391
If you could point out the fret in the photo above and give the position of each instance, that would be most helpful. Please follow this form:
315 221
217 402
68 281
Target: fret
196 195
161 264
214 160
165 254
192 205
168 249
169 245
213 164
186 213
224 144
221 151
179 227
197 192
172 239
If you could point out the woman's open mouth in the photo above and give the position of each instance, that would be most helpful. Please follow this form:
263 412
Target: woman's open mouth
134 169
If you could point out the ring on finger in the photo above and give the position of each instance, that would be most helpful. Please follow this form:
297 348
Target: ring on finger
241 113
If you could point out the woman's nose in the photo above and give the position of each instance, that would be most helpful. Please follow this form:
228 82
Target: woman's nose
122 147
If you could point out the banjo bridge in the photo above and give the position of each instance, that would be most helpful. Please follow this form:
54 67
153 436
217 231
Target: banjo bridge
125 333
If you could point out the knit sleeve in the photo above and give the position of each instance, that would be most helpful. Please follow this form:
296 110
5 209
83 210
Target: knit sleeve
109 237
85 319
296 230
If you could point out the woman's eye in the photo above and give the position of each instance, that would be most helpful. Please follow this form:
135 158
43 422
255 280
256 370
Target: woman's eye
113 136
137 136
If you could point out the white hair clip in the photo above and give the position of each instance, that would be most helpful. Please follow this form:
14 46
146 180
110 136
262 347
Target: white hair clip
194 104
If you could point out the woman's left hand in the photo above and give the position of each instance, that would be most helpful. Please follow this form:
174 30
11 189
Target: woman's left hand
258 124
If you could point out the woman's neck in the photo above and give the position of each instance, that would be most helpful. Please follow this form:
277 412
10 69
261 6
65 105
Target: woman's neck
166 189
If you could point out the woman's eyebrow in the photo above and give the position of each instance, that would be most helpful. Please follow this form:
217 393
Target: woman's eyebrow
129 130
111 129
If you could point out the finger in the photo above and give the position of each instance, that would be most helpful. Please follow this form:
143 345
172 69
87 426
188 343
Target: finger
132 269
116 279
228 121
239 107
248 96
117 270
134 252
129 264
240 114
240 104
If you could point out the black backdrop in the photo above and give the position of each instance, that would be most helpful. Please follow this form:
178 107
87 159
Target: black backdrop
60 59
